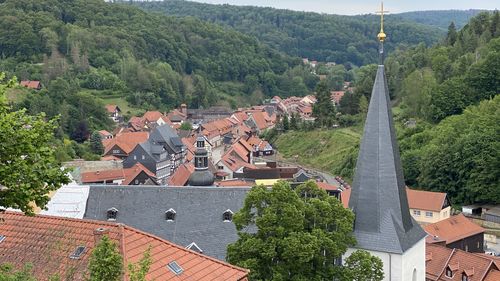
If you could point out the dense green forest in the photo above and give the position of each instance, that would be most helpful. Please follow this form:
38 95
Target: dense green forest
451 92
88 52
322 37
441 19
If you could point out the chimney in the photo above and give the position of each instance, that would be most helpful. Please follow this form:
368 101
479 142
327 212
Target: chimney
99 233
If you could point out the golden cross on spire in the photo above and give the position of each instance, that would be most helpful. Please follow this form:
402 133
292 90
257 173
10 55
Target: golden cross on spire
381 36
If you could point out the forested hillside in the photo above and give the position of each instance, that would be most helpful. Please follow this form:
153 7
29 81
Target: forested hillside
451 92
322 37
87 52
441 19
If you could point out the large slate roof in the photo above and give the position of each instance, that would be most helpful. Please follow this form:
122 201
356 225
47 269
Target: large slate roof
383 221
198 212
165 134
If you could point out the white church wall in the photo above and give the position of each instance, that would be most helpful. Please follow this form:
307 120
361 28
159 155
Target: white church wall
400 267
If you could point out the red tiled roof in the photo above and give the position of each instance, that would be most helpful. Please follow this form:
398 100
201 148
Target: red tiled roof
454 228
105 133
493 275
125 141
30 84
152 116
233 162
240 116
337 95
99 176
181 175
47 243
425 200
131 173
111 108
137 123
439 258
260 119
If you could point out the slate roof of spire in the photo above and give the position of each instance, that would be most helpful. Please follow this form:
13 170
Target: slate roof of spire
379 201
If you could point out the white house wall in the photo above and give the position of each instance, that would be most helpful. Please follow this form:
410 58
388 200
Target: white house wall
400 267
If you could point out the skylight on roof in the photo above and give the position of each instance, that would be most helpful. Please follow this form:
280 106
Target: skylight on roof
2 237
175 267
78 252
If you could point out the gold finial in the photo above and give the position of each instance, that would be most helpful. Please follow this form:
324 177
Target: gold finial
381 36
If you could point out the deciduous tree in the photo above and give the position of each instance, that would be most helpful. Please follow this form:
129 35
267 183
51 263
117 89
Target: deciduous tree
106 263
28 168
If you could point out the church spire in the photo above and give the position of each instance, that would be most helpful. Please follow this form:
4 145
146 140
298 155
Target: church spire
378 199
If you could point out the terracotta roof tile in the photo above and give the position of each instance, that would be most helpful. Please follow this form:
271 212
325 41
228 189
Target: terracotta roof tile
181 175
125 141
132 172
234 183
111 108
30 84
438 258
493 275
47 243
425 200
152 116
100 176
454 228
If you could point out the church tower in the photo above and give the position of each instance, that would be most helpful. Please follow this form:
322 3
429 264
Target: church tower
383 224
201 175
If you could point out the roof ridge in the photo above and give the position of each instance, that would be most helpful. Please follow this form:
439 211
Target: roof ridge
447 262
87 221
184 249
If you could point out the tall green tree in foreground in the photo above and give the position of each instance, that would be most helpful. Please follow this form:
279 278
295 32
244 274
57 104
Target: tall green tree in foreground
106 263
301 234
28 168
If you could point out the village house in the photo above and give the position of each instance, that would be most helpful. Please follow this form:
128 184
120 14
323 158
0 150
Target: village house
427 206
105 135
122 144
138 175
161 154
34 85
115 176
336 96
445 264
457 232
63 246
260 147
114 112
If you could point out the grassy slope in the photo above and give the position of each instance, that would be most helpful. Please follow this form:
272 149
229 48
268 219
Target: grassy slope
324 150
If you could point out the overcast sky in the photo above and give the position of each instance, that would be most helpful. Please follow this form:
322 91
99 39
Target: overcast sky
353 7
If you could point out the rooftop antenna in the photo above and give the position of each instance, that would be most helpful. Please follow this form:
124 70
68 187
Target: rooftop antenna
381 35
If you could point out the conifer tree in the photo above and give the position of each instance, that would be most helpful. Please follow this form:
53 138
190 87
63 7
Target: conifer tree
451 38
96 143
323 109
106 263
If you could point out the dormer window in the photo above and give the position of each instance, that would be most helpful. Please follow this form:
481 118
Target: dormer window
170 215
227 216
112 213
194 247
449 273
465 277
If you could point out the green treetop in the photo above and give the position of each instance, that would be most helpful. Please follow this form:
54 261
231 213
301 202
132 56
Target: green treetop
301 234
106 262
28 168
